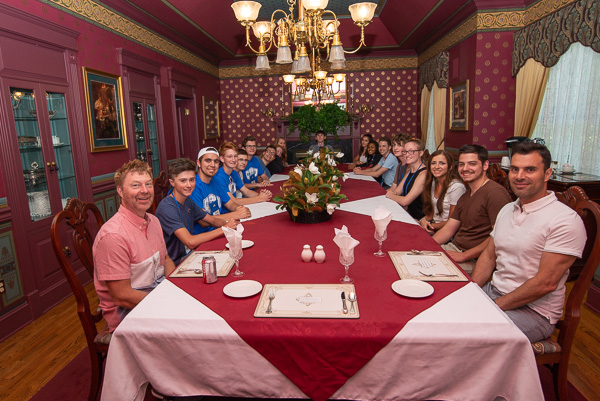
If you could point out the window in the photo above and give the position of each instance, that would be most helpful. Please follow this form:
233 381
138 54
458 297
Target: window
569 119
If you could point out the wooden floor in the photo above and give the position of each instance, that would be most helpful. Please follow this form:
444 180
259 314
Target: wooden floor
31 357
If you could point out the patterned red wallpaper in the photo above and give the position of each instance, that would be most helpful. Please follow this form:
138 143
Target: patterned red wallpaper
393 95
485 60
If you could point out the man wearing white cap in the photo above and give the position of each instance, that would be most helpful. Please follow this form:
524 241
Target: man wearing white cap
210 196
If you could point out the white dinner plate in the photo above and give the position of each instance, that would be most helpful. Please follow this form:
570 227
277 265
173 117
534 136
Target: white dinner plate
412 288
242 288
246 243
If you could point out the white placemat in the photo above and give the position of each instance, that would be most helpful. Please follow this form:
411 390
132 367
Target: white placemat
360 177
262 209
431 267
193 264
368 205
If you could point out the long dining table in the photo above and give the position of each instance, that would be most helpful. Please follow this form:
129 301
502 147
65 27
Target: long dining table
189 338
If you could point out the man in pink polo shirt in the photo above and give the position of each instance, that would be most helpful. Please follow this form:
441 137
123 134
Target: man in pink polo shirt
130 255
534 242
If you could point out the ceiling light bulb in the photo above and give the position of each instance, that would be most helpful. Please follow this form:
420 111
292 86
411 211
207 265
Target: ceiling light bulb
339 77
288 78
320 74
315 4
284 55
262 62
261 28
362 13
246 11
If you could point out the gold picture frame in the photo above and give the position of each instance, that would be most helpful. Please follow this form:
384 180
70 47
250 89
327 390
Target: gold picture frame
459 106
105 111
210 109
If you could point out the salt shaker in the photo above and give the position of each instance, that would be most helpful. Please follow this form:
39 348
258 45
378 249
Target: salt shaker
306 254
319 254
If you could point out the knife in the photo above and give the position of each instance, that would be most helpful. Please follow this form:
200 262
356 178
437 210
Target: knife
344 307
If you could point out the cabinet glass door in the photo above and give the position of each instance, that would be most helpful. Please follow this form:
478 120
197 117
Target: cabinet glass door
140 136
61 141
152 136
30 149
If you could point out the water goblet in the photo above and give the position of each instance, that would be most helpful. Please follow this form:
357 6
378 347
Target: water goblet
237 254
347 261
380 239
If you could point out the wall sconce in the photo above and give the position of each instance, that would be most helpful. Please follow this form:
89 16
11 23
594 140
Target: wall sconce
17 96
270 112
364 109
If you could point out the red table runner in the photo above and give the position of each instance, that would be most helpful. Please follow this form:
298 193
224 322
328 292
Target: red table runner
319 355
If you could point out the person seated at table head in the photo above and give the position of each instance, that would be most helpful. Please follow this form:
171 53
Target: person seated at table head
408 191
130 256
386 168
372 156
254 175
398 142
177 213
534 242
273 163
229 179
211 196
282 154
466 234
320 139
442 191
361 157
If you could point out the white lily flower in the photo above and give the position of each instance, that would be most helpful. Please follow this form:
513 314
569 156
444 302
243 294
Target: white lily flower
331 208
314 169
331 162
334 178
345 177
316 155
298 170
339 155
310 152
312 198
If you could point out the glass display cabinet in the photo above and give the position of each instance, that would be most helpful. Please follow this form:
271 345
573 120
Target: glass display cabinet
45 149
146 135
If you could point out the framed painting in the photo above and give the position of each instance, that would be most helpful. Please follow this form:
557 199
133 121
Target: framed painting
210 108
105 113
459 106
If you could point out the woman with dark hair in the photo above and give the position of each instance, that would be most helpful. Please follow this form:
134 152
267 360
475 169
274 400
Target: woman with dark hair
373 156
361 157
408 192
446 189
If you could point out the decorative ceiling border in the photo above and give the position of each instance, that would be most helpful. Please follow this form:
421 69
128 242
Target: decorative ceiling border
100 15
493 20
388 63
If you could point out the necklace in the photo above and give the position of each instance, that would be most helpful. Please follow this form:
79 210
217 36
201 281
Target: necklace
482 184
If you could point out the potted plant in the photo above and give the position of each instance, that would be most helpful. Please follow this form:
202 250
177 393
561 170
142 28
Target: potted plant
328 117
312 193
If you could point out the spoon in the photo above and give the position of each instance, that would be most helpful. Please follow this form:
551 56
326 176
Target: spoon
352 299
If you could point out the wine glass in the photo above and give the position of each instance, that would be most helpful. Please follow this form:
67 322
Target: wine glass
237 254
347 261
380 239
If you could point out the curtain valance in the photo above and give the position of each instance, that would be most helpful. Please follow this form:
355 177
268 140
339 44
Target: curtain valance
547 39
434 70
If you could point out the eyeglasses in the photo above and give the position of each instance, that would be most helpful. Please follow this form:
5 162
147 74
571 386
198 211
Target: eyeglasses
271 153
250 146
410 152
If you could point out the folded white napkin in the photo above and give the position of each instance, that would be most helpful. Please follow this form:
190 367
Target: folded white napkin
345 241
234 237
381 217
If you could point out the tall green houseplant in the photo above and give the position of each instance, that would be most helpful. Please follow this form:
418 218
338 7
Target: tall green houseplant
309 119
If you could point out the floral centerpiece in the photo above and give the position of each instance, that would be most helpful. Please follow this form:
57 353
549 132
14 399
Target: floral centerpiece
312 193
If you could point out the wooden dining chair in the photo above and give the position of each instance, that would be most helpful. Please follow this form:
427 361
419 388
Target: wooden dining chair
161 189
554 352
75 221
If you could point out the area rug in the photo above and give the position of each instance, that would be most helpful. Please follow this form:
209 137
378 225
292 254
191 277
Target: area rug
72 384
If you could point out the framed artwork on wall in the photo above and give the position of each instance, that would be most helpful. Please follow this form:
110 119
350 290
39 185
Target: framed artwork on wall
105 112
210 108
459 106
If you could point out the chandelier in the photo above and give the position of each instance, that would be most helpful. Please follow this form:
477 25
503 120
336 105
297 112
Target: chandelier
321 85
309 33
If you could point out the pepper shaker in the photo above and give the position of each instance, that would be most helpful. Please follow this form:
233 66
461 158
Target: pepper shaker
319 254
306 254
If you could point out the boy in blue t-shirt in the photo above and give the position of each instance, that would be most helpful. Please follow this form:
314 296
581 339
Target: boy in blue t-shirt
177 213
253 175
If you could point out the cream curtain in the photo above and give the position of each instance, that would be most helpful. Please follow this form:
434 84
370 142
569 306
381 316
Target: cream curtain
531 84
425 95
439 114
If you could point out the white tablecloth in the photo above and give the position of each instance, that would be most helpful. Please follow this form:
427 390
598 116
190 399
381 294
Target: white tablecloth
463 348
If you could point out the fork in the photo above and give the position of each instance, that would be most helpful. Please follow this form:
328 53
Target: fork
438 274
271 298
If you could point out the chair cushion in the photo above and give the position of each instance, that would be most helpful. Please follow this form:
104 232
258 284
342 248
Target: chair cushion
103 338
547 346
